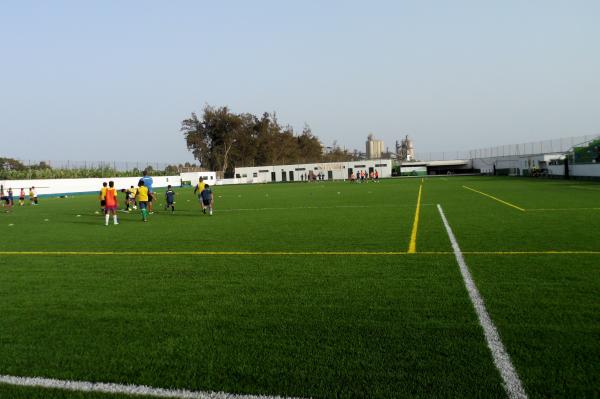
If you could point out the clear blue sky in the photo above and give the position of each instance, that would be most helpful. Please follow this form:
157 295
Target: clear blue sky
113 79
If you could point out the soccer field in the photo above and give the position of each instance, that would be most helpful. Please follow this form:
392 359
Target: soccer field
317 290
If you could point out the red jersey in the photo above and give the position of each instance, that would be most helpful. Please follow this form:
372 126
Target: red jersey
111 197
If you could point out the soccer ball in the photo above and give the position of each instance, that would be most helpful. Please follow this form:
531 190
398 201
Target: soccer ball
134 207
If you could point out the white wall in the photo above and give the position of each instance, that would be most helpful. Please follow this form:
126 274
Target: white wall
209 177
577 170
486 165
65 186
521 162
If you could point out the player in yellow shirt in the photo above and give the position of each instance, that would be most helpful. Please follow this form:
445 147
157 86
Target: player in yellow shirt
33 199
199 188
103 196
131 193
142 199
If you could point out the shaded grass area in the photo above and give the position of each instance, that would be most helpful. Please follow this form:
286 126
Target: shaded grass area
15 392
548 313
305 326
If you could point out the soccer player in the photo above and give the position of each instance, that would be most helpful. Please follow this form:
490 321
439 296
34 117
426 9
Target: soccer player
110 203
103 196
9 198
148 184
198 189
22 197
142 199
200 186
132 194
33 199
170 198
125 192
206 198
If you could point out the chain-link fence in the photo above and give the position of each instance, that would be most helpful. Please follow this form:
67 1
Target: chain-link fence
538 147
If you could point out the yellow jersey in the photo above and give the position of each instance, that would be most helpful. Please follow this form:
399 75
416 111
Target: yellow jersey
103 193
142 194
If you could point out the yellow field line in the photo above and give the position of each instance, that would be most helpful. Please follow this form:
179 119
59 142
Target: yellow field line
495 198
562 209
283 253
198 253
412 246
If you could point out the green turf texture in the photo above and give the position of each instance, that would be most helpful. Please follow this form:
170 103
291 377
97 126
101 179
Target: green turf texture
308 325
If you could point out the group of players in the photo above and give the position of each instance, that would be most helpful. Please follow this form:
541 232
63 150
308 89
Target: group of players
143 196
362 176
7 199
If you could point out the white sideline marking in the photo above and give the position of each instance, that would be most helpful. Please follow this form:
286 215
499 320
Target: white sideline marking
512 383
84 386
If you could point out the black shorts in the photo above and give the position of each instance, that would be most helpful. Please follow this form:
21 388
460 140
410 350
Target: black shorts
150 197
206 203
102 202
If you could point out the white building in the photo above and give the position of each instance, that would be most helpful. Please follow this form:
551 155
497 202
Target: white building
300 172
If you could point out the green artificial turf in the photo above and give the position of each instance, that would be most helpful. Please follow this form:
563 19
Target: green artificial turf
548 311
307 325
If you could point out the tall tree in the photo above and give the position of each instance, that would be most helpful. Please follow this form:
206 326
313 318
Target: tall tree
211 139
309 146
222 141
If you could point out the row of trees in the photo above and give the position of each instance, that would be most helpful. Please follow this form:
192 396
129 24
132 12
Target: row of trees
222 140
13 169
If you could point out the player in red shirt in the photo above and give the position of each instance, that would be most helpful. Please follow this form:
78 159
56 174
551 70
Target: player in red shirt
111 203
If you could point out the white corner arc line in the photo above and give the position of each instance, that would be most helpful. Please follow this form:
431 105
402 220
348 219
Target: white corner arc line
512 383
137 390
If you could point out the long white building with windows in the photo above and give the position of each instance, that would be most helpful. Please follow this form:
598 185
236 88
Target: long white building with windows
302 172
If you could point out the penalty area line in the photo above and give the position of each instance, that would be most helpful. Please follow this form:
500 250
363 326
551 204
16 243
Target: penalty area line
495 198
512 383
138 390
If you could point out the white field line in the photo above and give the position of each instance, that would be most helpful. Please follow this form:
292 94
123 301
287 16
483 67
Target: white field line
512 383
138 390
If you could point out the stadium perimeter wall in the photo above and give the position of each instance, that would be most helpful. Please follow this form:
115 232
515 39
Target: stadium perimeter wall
577 170
523 163
520 163
49 187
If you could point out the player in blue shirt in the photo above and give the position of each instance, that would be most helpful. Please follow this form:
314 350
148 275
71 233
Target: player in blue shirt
170 198
148 184
206 198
